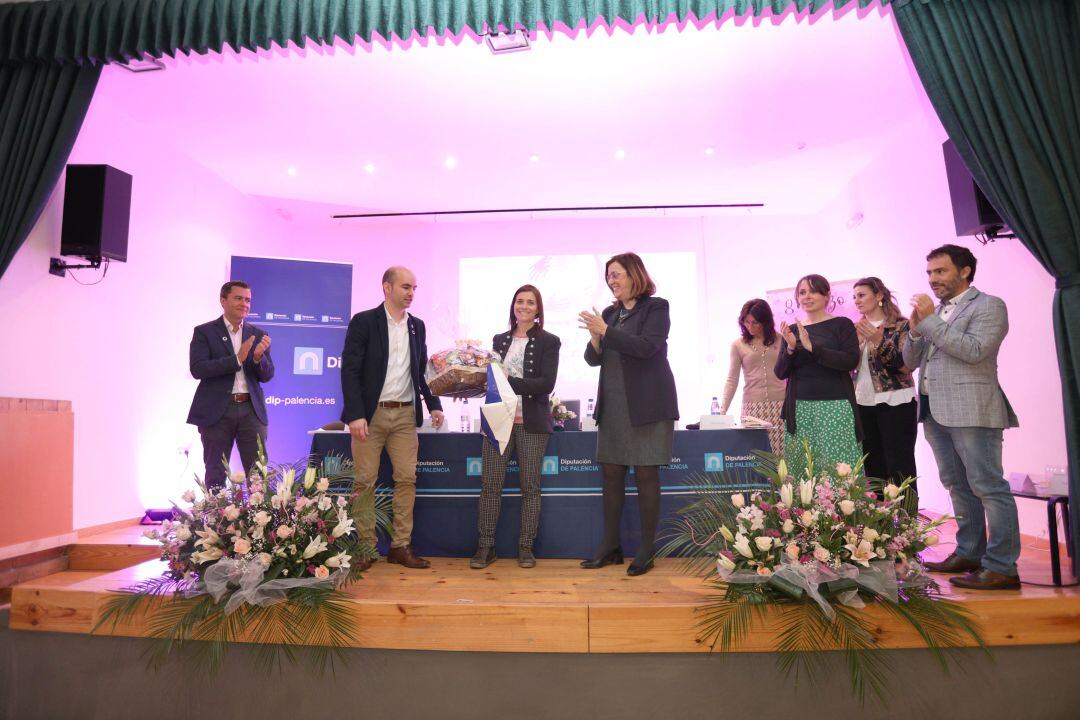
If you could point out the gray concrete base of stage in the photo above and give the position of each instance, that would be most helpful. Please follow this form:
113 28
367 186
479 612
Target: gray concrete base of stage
55 676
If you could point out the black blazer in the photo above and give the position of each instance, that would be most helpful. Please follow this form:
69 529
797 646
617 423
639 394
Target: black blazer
213 363
541 369
642 344
363 365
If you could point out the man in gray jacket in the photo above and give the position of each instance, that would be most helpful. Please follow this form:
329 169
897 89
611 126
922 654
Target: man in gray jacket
964 411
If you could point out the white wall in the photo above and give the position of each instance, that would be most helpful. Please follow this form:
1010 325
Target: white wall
118 349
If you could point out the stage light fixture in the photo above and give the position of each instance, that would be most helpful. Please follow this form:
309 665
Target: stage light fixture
507 42
620 154
710 151
370 168
450 162
534 158
143 64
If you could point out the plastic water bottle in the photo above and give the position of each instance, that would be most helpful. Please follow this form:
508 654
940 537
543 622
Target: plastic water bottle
466 421
714 409
590 408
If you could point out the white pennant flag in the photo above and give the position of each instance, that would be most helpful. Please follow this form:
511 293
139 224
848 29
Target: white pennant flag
497 413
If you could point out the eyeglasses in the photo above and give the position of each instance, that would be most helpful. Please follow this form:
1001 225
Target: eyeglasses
615 275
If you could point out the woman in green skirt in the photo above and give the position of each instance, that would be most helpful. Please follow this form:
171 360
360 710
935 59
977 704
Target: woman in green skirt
817 358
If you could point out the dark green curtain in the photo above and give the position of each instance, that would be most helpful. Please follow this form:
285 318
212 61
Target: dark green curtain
42 106
1004 77
117 30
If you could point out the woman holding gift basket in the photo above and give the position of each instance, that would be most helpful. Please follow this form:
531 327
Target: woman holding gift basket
530 356
637 406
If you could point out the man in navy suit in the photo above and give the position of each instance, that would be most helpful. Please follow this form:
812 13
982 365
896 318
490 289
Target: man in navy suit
382 381
231 359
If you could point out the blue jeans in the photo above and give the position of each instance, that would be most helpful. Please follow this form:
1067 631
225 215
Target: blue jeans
969 464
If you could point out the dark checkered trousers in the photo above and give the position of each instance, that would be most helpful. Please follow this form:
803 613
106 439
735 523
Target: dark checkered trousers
530 453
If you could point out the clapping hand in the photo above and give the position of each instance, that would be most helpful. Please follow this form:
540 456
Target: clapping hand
261 348
804 337
245 349
869 334
788 335
593 322
921 307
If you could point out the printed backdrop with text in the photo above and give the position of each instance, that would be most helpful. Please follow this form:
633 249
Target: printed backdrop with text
305 307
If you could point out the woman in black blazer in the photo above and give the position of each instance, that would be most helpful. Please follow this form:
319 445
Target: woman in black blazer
531 360
637 406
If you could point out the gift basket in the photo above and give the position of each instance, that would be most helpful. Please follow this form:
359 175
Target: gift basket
459 372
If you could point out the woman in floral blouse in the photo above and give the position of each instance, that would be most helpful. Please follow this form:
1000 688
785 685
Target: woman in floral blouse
884 388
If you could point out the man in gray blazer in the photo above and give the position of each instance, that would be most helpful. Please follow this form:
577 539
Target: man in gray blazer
964 411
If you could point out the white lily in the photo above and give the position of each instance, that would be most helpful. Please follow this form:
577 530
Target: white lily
742 546
207 538
208 555
787 494
341 560
806 491
862 553
315 547
344 526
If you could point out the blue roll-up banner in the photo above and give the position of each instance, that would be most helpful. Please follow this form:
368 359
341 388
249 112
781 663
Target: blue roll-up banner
305 307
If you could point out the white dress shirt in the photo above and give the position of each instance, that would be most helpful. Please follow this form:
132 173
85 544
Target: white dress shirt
398 384
236 335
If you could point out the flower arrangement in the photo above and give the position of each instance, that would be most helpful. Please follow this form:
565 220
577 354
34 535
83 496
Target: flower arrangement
559 412
265 550
819 548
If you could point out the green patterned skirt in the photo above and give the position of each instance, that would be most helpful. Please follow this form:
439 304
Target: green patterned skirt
829 427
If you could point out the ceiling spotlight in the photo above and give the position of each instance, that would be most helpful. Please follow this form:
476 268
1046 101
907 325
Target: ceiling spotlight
507 42
710 151
534 158
143 64
620 154
369 168
450 162
291 172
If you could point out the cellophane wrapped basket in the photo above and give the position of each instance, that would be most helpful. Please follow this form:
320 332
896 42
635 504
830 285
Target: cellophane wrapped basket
459 372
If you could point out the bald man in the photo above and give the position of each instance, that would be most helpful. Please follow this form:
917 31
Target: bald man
382 381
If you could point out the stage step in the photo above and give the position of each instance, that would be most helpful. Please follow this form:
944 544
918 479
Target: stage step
555 607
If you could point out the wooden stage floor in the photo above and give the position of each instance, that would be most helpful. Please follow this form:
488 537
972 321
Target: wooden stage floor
554 607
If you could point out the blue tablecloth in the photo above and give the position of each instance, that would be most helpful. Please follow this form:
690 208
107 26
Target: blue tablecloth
571 521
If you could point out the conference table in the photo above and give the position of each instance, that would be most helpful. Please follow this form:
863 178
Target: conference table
449 470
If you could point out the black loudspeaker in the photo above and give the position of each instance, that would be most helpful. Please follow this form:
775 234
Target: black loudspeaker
972 212
97 210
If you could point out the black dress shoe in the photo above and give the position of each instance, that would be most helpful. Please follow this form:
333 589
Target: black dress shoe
953 564
983 579
611 557
484 556
634 570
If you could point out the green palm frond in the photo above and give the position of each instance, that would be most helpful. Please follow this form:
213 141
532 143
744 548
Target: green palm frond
691 535
942 624
727 616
